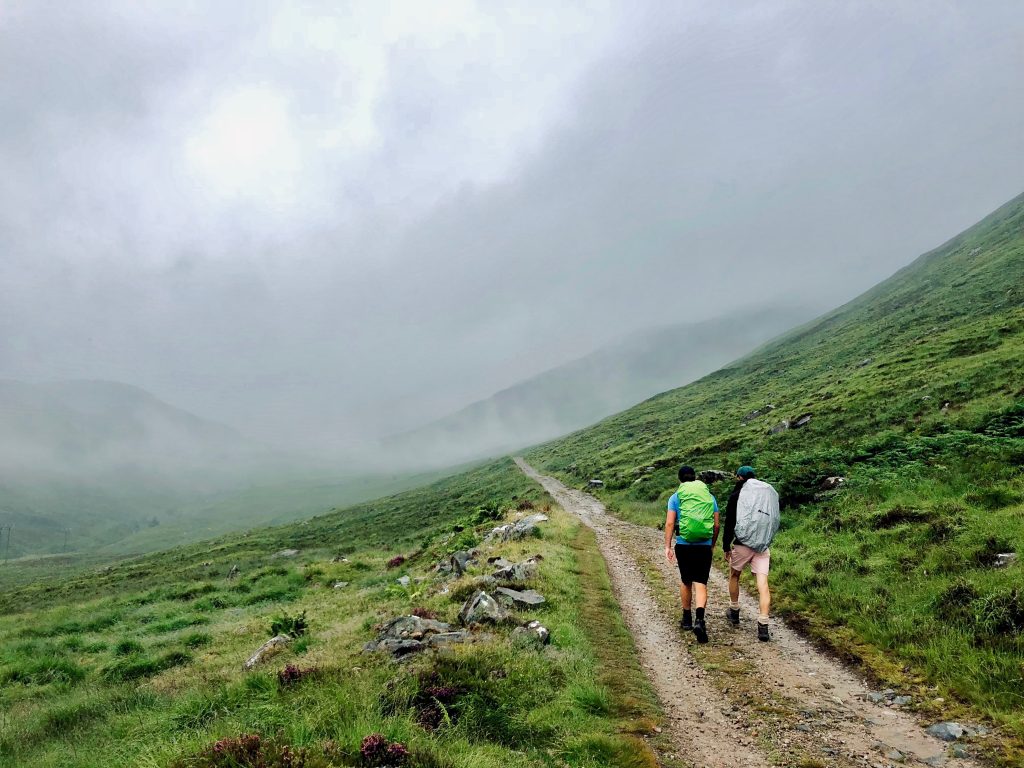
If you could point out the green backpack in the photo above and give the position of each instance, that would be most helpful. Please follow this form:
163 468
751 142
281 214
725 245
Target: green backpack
696 520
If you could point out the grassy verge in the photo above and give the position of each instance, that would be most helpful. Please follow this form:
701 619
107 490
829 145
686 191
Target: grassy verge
146 669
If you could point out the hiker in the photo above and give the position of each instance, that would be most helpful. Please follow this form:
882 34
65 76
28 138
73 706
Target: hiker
751 522
692 520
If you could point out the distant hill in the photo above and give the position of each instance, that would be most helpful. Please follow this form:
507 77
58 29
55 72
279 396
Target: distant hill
583 391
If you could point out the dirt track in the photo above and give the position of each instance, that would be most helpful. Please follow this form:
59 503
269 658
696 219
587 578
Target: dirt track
738 703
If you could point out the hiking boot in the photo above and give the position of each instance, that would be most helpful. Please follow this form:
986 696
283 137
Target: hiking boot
734 616
700 631
686 623
762 632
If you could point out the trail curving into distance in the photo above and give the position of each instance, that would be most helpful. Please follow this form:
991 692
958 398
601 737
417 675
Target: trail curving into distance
738 703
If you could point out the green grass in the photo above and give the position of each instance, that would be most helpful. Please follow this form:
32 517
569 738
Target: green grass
917 398
112 670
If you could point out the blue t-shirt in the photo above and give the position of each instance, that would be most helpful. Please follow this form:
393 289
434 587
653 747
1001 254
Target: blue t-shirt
673 506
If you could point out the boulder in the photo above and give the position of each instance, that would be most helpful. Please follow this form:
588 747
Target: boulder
523 571
499 562
713 475
460 561
269 648
533 633
832 483
595 483
286 553
481 608
1004 559
757 413
948 731
520 529
514 598
443 639
782 426
801 421
408 634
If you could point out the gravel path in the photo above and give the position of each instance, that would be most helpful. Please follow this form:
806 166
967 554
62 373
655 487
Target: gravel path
736 702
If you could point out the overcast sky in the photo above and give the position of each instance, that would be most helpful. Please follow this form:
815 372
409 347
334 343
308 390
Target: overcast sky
320 221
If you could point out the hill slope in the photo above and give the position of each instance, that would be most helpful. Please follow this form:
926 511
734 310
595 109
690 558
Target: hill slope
582 391
914 395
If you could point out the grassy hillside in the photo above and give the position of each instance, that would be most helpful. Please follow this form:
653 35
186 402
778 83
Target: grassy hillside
583 391
140 664
916 396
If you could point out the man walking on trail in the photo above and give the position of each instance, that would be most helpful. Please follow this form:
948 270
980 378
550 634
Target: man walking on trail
692 521
758 556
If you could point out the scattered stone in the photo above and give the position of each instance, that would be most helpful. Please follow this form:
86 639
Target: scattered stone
499 562
460 561
268 649
523 571
409 634
481 608
875 697
758 413
515 599
1004 559
404 580
802 421
594 483
286 553
959 751
901 701
804 727
340 584
832 483
935 761
782 426
896 756
974 251
520 529
948 731
533 633
713 475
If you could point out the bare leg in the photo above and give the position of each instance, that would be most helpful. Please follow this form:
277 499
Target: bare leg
700 594
763 595
734 586
684 595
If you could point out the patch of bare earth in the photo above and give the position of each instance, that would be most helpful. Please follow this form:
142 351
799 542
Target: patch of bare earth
737 702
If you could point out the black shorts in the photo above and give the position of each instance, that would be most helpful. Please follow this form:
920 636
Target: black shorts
694 562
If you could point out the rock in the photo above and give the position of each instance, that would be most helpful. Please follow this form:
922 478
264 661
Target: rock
286 553
234 572
896 756
269 648
404 580
974 252
875 697
594 483
782 426
520 529
935 761
802 421
901 701
758 413
481 608
948 731
443 639
408 634
523 571
1004 559
499 562
533 633
516 599
339 559
713 475
340 584
395 647
865 361
832 483
959 751
804 727
460 561
945 407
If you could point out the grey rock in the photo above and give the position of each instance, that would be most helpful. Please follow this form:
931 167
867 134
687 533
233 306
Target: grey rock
875 697
901 701
595 483
959 751
713 475
782 426
802 421
460 561
865 361
339 559
889 693
234 572
948 731
395 646
481 608
412 628
1004 559
499 562
935 761
804 727
523 571
340 584
286 553
443 639
268 648
404 580
832 483
520 529
758 413
515 599
533 633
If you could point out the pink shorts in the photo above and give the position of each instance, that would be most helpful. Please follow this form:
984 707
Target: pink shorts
741 555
